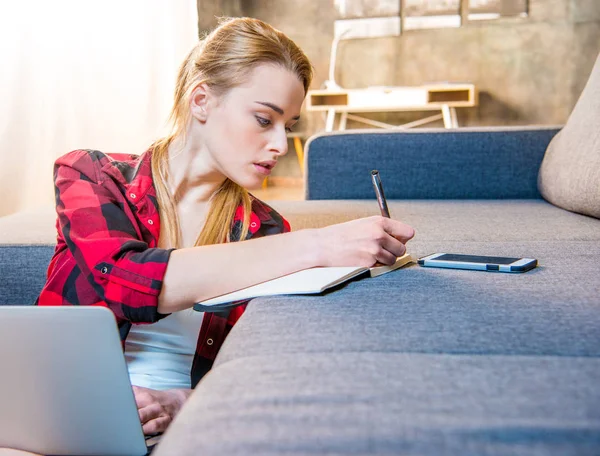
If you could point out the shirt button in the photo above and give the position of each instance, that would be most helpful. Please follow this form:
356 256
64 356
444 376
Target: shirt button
150 222
132 195
104 270
209 341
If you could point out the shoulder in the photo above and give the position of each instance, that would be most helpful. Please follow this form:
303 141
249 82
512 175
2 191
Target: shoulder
264 221
95 165
80 164
82 158
268 217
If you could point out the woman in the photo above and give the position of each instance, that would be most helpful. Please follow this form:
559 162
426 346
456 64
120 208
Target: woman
149 236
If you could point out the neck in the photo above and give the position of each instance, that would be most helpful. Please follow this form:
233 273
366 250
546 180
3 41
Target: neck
192 178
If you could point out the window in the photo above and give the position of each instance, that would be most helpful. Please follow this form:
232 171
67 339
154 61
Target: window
494 9
372 18
420 14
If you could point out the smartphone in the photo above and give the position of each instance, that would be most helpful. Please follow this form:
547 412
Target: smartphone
478 262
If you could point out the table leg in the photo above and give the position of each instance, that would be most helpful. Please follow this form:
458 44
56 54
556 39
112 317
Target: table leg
449 116
299 152
446 116
343 118
453 117
330 120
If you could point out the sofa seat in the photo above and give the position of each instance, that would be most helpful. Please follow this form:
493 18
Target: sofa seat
392 403
436 310
27 238
460 220
421 360
510 220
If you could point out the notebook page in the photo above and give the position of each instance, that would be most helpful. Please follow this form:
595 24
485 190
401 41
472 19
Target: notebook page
307 281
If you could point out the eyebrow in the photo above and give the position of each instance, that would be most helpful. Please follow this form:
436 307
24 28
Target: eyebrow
275 108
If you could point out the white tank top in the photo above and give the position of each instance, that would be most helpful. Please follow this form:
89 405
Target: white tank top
160 355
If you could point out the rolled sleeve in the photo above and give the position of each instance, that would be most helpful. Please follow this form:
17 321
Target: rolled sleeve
132 283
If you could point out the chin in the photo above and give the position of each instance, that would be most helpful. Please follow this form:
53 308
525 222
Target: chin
255 185
251 182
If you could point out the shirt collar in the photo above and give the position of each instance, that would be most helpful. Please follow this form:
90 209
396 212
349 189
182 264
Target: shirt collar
133 172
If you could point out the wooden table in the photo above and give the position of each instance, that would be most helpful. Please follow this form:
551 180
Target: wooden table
433 97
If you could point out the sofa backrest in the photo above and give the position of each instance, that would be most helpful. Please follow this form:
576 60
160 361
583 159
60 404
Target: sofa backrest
23 272
464 163
27 241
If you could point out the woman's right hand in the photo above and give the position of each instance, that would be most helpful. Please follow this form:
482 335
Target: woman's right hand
363 242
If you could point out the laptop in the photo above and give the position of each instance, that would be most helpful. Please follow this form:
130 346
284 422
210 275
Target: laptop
64 384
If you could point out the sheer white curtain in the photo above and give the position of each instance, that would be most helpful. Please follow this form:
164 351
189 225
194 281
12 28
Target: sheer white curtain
83 74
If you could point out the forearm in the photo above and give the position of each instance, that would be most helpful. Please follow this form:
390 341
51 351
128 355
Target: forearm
199 273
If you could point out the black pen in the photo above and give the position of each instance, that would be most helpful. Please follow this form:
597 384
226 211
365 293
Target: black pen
379 193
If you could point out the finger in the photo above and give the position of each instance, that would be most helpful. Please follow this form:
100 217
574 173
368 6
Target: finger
150 412
157 425
399 230
142 396
393 246
385 257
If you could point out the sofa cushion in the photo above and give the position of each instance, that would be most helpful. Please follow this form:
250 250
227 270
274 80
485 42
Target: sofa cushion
30 227
392 404
552 310
570 172
423 360
455 220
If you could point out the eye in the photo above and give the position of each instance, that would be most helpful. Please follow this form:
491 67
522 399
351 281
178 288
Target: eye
262 121
289 129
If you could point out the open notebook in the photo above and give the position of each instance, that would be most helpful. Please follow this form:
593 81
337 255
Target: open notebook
307 281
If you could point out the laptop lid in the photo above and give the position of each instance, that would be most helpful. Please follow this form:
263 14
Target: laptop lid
64 385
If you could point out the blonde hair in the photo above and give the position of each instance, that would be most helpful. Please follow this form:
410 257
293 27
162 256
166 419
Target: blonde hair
222 60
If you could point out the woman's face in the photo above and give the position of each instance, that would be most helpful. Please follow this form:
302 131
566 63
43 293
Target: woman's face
245 129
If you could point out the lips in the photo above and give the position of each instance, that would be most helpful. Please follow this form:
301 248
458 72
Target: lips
265 167
267 164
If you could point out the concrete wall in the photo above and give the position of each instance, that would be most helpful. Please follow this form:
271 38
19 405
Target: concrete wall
528 70
210 10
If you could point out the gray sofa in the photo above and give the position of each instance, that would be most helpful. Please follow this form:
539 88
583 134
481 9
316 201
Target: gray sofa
429 361
418 361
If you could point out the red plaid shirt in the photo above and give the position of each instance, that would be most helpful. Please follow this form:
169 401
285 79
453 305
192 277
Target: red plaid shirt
107 250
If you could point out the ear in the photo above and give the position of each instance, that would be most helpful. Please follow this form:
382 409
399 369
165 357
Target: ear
199 102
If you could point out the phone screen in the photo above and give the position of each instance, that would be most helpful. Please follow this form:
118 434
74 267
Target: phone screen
475 259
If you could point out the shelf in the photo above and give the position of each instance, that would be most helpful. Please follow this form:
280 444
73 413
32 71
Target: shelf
375 99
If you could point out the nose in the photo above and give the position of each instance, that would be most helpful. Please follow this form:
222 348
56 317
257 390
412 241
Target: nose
279 142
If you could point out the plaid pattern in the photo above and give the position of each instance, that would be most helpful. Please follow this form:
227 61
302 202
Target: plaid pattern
107 255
